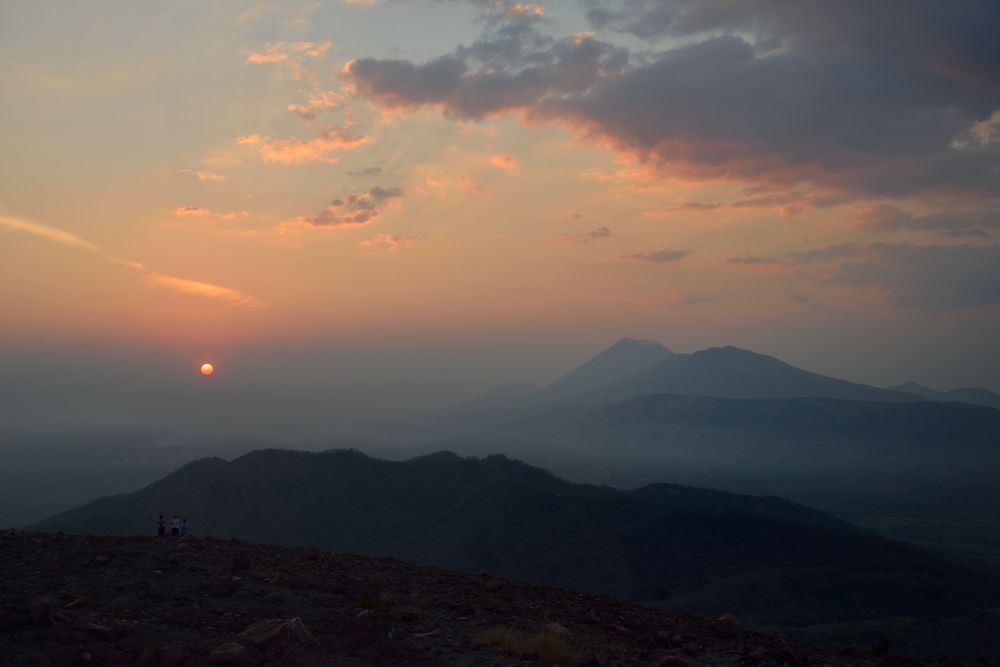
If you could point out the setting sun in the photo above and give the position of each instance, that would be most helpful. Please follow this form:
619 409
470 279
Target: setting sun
207 369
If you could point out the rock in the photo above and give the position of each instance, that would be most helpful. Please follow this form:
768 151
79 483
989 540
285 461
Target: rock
674 661
409 617
591 617
173 654
669 639
621 629
74 604
102 560
230 653
557 629
273 630
40 610
190 538
729 618
101 631
221 586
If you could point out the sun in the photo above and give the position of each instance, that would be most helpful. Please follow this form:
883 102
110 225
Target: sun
207 369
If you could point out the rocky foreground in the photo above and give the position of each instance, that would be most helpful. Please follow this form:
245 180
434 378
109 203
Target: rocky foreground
71 600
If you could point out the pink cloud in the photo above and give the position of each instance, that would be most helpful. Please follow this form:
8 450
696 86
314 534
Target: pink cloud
295 150
503 161
390 242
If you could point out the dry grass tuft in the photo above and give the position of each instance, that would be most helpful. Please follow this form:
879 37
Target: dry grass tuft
546 647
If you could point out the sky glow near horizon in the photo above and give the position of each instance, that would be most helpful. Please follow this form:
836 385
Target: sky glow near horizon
415 184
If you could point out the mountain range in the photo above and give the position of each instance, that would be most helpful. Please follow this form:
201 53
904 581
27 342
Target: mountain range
674 546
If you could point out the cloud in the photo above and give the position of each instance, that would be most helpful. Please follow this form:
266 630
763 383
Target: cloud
199 212
689 299
503 161
352 210
279 52
203 289
599 234
884 218
444 186
44 231
249 139
203 176
390 242
661 256
797 297
320 100
318 148
827 253
758 90
453 83
754 261
367 171
927 277
150 278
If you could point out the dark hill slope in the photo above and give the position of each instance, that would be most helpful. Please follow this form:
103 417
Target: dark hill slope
507 517
971 395
141 601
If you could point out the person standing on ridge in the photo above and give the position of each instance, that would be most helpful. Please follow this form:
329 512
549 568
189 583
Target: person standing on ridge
161 526
184 527
175 526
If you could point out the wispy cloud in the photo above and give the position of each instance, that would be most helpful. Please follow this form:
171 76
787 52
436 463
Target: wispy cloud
50 233
390 242
151 278
351 210
203 176
602 233
199 212
662 256
295 150
199 288
278 52
689 299
754 261
504 161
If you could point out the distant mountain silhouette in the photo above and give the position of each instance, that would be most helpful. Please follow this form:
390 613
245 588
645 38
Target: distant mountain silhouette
971 395
632 368
660 544
730 372
626 357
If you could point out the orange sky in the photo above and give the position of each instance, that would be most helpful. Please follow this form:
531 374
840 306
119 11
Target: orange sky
207 176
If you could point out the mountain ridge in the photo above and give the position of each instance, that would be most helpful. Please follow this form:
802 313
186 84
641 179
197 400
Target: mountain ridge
661 544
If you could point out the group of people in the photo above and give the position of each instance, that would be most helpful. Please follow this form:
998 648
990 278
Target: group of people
178 527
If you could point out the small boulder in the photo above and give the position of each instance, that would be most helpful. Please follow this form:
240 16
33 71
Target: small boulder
273 630
40 610
669 639
557 629
173 654
230 653
732 620
190 538
98 630
101 560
